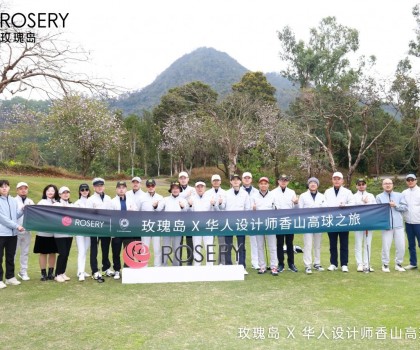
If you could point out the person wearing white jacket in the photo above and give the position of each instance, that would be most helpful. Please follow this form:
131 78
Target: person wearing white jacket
339 196
148 202
202 201
264 200
24 238
312 199
186 192
136 192
172 203
83 242
412 218
99 200
363 238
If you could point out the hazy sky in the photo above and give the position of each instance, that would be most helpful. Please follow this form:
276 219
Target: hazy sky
131 42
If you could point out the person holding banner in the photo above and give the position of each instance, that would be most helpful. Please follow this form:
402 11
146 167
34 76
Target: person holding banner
312 199
174 203
237 199
99 200
83 242
339 196
186 192
398 206
136 192
363 238
45 244
63 241
264 200
24 238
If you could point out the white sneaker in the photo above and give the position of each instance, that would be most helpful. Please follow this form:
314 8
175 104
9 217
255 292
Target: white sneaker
109 273
2 285
360 268
308 270
86 274
59 279
385 268
81 277
13 281
410 267
117 275
23 276
65 277
399 268
245 272
371 269
344 268
332 268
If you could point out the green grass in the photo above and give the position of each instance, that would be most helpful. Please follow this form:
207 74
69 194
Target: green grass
88 315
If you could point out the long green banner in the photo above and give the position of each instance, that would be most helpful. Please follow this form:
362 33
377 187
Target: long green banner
113 223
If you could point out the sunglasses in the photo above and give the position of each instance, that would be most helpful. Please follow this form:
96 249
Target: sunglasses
150 186
410 180
84 190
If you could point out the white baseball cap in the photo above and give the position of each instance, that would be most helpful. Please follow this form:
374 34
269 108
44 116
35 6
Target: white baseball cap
20 184
247 174
338 174
63 189
182 173
216 177
198 183
136 178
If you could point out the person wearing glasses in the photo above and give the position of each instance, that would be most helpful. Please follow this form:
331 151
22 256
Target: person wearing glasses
412 218
149 202
83 242
363 197
398 206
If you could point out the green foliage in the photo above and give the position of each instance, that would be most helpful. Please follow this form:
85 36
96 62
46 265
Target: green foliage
257 86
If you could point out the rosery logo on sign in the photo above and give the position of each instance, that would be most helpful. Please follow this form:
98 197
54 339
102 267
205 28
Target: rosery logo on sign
67 221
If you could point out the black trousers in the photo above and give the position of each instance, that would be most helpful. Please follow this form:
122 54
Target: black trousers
116 245
190 250
63 248
344 247
105 243
289 249
8 248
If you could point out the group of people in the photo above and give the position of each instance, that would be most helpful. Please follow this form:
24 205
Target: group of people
242 195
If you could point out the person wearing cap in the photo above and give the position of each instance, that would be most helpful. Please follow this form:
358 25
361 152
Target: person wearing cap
312 199
149 201
219 195
136 192
23 238
236 199
123 203
339 196
186 192
398 206
9 228
99 200
83 242
202 201
363 238
264 200
285 198
171 245
247 186
45 244
63 241
412 218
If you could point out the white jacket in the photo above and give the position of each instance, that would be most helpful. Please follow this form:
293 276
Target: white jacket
239 201
95 202
284 200
360 196
171 203
307 201
202 203
146 201
20 204
81 202
221 193
135 196
344 197
412 197
62 203
130 204
262 202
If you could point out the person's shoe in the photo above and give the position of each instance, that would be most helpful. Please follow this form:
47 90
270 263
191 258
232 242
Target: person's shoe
399 268
59 279
23 276
410 267
81 277
13 281
50 277
98 277
86 274
65 277
318 267
274 271
371 269
332 268
44 278
308 270
2 285
385 268
117 275
245 272
109 273
255 267
293 268
261 271
344 268
360 268
281 268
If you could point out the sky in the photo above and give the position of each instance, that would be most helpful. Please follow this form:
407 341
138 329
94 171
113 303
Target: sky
132 42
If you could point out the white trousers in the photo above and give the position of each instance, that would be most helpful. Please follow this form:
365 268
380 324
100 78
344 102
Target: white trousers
309 240
157 249
363 256
271 242
175 244
83 244
254 251
397 234
207 242
23 243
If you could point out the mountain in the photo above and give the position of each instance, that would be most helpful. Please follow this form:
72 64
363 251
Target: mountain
207 65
